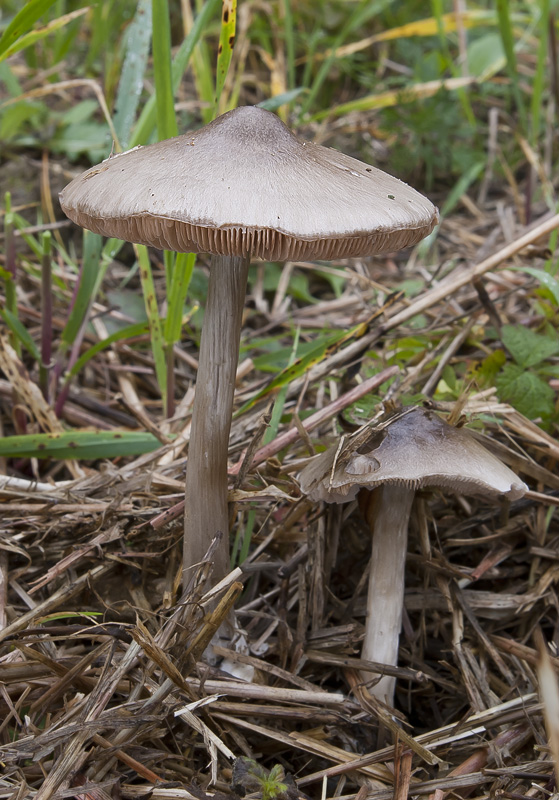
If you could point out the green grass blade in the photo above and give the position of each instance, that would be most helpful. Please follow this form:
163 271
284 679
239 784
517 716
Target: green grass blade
137 329
133 69
154 320
225 48
9 274
298 368
147 121
88 279
21 334
545 278
538 84
461 187
22 23
78 444
35 36
273 103
279 404
161 48
507 37
180 281
289 38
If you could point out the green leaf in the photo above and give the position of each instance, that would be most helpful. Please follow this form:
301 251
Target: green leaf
526 391
161 47
461 187
137 329
180 281
21 333
273 103
486 55
544 278
507 36
23 22
148 117
36 35
154 320
78 444
226 43
138 37
527 347
489 368
315 355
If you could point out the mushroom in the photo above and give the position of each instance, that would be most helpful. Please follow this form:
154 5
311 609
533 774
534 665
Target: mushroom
403 451
243 186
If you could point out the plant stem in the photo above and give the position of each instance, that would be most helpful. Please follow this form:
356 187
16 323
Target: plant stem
206 478
46 317
390 514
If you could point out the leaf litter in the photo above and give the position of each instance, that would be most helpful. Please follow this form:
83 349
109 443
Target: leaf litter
104 687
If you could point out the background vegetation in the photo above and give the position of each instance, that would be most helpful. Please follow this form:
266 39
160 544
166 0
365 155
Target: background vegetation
456 101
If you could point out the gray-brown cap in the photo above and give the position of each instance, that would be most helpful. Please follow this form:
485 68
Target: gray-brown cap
245 184
414 448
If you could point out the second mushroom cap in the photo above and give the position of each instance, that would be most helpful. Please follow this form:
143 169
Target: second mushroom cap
414 448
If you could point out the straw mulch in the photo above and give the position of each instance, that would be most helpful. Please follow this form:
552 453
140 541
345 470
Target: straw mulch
105 689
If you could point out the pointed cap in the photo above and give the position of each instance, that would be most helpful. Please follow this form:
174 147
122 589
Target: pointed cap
412 447
245 184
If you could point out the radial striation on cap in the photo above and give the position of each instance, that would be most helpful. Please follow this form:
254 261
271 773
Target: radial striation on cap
245 184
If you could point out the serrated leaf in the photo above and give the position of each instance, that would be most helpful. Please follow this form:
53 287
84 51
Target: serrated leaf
78 444
527 347
526 391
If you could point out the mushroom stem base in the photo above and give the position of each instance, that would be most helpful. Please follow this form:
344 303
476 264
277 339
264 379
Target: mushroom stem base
389 515
206 512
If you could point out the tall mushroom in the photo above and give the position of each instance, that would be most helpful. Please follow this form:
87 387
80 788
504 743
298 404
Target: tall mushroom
404 451
243 186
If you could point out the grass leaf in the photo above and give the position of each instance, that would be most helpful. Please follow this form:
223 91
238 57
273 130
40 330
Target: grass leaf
21 333
166 119
225 48
152 312
35 36
137 329
78 444
22 23
180 281
133 69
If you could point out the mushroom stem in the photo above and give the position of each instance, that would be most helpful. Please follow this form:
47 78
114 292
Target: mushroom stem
388 514
206 476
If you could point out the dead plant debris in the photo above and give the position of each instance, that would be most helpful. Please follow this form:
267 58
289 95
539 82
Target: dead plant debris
105 688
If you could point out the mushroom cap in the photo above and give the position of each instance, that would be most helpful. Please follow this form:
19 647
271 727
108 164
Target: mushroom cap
413 447
245 184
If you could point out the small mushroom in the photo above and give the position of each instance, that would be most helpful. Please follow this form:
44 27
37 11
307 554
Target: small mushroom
403 451
243 186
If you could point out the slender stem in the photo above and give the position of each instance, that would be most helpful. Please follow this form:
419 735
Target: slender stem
46 317
206 477
170 361
392 507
